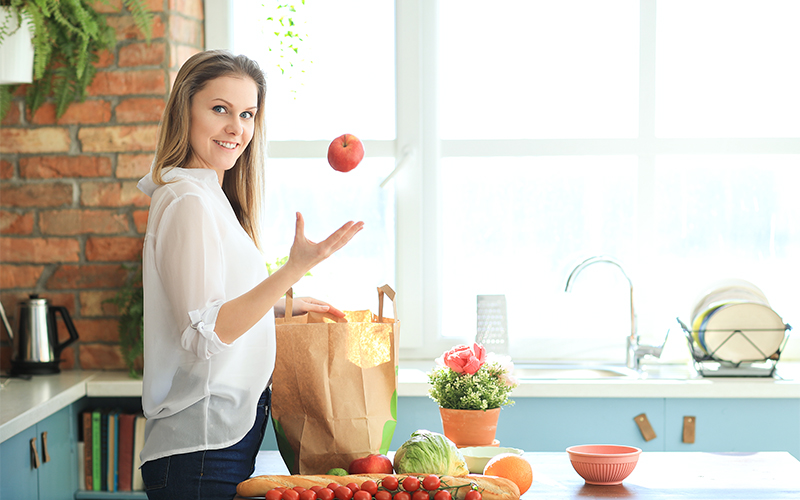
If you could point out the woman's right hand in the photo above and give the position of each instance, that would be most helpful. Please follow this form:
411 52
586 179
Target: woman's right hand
305 254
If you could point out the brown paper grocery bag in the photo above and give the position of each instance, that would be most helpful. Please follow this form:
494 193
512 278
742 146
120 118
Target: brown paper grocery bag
334 388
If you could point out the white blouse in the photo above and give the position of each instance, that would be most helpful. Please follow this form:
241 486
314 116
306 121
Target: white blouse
198 392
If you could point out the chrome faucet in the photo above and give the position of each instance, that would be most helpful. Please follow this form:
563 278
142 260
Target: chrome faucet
634 351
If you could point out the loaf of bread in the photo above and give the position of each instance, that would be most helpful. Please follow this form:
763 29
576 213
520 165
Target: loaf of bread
490 487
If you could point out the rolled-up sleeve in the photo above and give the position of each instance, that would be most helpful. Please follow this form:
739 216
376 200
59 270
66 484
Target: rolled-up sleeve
190 262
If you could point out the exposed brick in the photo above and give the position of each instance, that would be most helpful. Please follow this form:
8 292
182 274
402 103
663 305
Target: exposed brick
34 140
70 276
93 303
118 139
133 166
145 81
6 169
188 31
35 195
94 330
101 357
142 54
76 222
49 167
105 59
126 29
40 250
140 109
140 220
179 53
16 223
13 115
95 111
19 276
113 249
112 194
190 8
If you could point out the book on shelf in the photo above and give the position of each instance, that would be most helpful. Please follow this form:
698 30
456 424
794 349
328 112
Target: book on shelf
112 441
125 460
138 444
96 440
86 458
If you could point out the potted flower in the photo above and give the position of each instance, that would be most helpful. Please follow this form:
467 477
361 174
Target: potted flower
470 387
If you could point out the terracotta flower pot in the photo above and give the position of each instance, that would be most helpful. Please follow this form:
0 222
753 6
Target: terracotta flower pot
470 427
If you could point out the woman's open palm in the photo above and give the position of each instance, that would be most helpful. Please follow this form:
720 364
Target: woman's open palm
307 254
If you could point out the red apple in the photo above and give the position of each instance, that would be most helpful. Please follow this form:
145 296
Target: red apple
345 153
371 464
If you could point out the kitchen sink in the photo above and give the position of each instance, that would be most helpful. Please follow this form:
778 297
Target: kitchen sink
571 371
580 371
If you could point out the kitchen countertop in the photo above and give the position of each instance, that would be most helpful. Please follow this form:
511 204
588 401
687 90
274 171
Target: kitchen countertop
657 476
26 402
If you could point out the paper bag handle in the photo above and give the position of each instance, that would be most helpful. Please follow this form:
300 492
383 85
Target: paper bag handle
287 314
386 290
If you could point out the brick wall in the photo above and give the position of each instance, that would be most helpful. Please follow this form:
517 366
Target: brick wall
70 213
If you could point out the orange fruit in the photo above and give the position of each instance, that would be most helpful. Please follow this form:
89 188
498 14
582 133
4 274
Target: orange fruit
512 467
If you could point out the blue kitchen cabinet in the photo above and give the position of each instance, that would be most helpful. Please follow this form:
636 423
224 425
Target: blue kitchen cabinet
739 425
56 479
549 424
554 424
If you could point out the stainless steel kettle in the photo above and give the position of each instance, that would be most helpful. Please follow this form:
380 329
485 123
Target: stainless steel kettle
36 350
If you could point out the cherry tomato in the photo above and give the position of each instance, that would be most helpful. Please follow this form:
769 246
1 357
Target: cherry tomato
299 489
421 495
290 495
473 495
411 483
390 483
353 487
343 493
273 494
308 495
325 494
431 482
442 495
281 489
362 495
333 486
402 495
370 486
316 488
383 495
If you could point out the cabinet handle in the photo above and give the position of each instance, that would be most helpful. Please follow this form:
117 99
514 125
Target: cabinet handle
644 427
35 463
44 447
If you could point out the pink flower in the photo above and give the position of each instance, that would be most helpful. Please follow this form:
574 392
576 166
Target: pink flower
465 359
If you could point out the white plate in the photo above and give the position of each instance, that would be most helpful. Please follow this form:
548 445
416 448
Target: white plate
728 290
746 331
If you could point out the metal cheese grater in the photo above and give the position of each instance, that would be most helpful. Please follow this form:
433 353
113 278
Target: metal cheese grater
492 323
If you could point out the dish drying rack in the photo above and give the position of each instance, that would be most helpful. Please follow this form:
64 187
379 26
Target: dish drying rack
708 364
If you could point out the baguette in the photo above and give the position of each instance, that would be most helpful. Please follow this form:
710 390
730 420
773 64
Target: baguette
490 487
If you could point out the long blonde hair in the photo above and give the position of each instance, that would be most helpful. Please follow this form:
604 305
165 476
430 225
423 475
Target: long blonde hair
244 183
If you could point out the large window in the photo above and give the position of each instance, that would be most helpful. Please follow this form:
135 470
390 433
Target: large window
529 135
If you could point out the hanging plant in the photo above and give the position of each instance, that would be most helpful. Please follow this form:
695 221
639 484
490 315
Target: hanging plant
68 35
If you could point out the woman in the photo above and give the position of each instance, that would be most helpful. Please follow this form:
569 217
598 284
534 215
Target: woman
209 328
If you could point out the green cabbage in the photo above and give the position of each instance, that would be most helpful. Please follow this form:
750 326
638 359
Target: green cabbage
429 453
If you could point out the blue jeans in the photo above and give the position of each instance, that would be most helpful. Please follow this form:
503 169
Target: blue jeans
209 474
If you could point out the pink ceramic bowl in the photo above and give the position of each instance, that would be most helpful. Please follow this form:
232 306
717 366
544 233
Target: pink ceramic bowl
603 464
